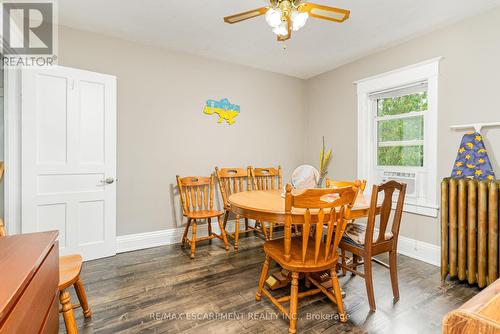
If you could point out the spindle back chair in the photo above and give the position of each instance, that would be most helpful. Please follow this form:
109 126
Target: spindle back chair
197 198
339 184
267 179
312 251
234 180
361 184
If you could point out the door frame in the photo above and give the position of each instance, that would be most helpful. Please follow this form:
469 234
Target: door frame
12 149
12 146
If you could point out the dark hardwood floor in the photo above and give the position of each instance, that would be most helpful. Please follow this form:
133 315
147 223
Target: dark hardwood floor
161 290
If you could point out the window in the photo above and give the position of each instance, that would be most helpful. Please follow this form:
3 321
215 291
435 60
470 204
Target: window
397 132
400 126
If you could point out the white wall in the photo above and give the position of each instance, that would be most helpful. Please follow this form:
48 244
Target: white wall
468 92
162 130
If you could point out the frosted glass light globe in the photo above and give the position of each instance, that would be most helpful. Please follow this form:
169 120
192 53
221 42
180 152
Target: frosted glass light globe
273 17
281 30
299 19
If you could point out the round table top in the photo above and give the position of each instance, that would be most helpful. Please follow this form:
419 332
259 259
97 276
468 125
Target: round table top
269 205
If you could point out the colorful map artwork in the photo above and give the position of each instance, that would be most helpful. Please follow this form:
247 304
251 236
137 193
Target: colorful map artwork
472 160
226 111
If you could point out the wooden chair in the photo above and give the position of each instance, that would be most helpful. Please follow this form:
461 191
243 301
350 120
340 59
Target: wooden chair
310 252
234 180
339 184
361 184
197 197
267 179
70 267
363 244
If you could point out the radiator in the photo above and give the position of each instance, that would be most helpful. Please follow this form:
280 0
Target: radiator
469 230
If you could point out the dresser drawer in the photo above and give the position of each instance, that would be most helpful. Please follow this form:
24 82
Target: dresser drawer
51 324
37 301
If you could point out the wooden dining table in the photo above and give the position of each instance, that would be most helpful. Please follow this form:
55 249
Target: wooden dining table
269 206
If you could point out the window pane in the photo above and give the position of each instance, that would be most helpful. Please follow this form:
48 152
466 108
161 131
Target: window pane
402 104
411 128
412 156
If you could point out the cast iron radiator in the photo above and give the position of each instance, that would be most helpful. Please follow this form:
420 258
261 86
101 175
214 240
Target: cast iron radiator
469 230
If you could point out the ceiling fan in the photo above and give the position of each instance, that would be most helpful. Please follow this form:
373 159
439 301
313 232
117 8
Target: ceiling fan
285 16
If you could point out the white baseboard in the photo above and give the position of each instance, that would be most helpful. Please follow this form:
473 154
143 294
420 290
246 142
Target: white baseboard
420 250
132 242
415 249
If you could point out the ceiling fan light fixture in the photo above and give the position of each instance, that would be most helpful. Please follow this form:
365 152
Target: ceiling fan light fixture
273 17
286 16
299 19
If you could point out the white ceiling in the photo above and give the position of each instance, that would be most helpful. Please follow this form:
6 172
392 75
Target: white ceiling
196 27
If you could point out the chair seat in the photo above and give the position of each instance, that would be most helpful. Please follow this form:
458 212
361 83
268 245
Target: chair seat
357 232
202 214
69 270
275 249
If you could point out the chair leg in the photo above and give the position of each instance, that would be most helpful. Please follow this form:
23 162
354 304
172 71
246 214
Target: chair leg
355 261
226 216
82 297
262 279
193 240
223 233
264 230
338 295
344 262
236 231
209 221
184 236
67 311
294 300
393 267
369 282
271 225
246 226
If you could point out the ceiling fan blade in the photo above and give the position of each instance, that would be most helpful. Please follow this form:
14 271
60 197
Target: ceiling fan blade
325 12
245 16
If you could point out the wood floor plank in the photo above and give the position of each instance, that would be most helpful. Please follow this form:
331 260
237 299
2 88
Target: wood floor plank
161 290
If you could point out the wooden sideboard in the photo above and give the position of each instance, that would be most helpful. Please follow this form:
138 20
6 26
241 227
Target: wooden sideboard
29 277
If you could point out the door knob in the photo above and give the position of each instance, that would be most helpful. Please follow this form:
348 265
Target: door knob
109 180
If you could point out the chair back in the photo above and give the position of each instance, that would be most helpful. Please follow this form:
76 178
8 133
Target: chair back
340 184
383 211
267 178
232 180
197 192
323 207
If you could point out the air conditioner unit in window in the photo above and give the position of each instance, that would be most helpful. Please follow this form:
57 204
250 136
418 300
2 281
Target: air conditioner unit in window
409 178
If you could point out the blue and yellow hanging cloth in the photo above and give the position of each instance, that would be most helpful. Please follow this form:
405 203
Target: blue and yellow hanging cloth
472 160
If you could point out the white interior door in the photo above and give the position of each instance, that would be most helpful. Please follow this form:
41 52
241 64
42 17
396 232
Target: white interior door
69 158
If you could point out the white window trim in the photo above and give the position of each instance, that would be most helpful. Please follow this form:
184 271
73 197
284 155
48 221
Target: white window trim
424 71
